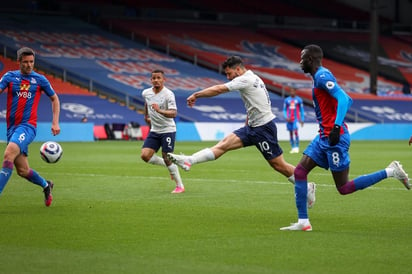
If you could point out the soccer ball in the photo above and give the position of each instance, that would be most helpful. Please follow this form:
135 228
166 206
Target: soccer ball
51 152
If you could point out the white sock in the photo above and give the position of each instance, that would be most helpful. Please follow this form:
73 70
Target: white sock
303 221
292 179
174 172
203 155
156 160
389 172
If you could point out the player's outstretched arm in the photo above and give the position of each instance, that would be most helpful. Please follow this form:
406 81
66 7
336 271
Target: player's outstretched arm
207 92
410 140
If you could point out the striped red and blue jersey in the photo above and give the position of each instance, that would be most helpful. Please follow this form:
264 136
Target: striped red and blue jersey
23 96
330 102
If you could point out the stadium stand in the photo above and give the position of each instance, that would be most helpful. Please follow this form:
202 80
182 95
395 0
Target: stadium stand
203 43
334 9
58 84
353 49
404 38
263 7
124 69
275 60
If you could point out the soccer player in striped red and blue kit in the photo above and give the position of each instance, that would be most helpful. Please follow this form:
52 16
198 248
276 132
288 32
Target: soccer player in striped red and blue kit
24 89
330 148
293 112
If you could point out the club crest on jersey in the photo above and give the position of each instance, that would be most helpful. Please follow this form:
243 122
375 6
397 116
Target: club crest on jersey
330 85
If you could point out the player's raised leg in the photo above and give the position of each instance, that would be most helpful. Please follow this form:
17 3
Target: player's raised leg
399 173
393 170
180 160
186 162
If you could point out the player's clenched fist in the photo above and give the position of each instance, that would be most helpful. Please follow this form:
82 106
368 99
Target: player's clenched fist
191 100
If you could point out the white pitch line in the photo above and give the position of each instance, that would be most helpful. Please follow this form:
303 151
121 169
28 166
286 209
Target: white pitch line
187 180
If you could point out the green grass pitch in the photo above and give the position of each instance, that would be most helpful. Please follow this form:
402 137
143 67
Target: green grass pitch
113 213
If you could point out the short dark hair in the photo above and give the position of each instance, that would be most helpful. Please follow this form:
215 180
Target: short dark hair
24 51
315 51
232 62
158 71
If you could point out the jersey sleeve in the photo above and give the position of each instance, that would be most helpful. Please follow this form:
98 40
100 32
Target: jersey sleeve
4 81
46 86
285 109
237 83
328 83
302 110
171 101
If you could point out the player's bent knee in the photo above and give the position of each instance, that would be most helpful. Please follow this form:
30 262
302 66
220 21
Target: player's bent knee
300 173
145 157
342 191
346 189
22 172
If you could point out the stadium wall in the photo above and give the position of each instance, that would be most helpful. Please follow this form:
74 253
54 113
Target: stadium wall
70 132
359 131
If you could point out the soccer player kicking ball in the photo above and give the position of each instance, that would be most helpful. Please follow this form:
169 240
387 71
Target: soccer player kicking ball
330 149
25 87
260 130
